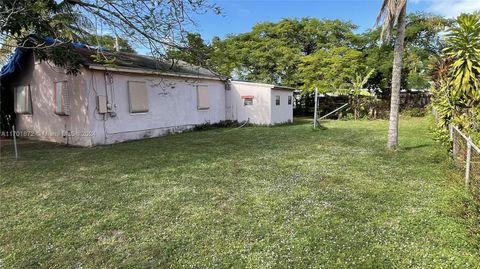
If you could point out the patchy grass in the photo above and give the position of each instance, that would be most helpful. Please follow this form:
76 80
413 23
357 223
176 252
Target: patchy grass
254 197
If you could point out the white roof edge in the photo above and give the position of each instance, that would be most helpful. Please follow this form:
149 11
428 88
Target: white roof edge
271 86
283 88
149 72
252 83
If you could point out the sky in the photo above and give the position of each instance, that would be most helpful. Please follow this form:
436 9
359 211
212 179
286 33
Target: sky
240 15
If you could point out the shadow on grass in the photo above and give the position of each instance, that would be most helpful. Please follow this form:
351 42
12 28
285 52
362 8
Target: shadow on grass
416 147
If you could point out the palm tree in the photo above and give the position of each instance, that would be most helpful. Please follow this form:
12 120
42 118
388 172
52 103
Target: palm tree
393 13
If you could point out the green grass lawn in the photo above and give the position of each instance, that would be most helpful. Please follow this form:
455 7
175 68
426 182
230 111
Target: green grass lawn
256 197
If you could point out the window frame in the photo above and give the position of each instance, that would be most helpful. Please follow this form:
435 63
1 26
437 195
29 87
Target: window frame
290 100
248 101
277 100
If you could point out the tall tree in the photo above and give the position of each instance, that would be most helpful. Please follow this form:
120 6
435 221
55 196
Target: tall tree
393 13
272 52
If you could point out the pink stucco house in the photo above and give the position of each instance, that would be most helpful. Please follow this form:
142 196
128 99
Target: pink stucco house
138 97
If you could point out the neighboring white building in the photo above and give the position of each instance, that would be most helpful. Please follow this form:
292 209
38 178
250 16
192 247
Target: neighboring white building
259 103
137 98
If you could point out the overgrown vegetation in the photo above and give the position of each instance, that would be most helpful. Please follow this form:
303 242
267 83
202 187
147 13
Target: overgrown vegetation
457 79
256 197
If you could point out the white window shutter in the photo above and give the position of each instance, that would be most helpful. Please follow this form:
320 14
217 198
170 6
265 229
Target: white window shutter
66 99
58 97
23 104
19 99
62 98
138 96
202 97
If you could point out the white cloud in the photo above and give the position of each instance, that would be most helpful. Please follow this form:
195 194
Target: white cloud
451 8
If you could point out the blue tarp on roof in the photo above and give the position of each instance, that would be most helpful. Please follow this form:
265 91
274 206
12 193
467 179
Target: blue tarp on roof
15 61
78 45
13 64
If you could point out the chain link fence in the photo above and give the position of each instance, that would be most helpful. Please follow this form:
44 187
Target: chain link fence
466 156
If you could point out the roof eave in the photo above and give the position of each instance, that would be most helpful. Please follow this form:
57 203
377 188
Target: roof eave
283 88
151 72
271 86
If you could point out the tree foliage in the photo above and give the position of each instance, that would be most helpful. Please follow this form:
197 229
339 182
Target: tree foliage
58 19
198 52
423 44
329 70
272 52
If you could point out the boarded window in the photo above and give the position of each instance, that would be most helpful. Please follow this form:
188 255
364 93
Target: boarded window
138 96
248 101
202 97
289 100
62 98
277 100
23 104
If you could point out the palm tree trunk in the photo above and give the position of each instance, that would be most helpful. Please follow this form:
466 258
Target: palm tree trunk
396 80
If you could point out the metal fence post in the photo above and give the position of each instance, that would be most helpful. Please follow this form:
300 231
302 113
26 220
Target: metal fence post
315 115
15 141
454 145
468 163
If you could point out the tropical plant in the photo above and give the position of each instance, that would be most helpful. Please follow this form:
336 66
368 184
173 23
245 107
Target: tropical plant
356 91
463 46
456 87
358 81
393 13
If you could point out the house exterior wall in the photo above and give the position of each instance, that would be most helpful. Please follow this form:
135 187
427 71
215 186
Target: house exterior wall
282 113
172 103
258 113
172 106
43 123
